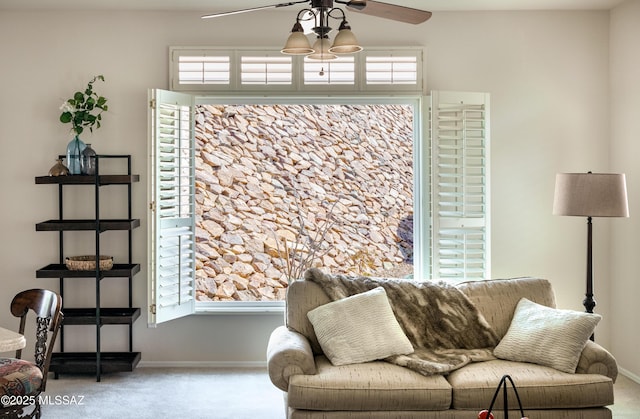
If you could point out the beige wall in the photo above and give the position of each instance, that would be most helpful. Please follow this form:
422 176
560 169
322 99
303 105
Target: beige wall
547 72
625 149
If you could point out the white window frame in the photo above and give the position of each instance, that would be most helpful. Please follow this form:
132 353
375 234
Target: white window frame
298 85
427 223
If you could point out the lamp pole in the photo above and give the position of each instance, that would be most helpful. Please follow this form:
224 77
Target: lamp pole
589 302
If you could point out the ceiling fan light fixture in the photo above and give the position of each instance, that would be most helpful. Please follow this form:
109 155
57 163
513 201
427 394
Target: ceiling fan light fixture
297 43
321 50
345 42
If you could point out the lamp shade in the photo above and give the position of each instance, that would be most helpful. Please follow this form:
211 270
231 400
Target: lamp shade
345 42
297 43
591 195
321 48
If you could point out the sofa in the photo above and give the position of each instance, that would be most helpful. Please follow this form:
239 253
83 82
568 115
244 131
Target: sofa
315 388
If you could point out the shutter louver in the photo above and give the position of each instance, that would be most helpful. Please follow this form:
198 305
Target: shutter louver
338 71
460 146
266 70
392 70
204 70
172 222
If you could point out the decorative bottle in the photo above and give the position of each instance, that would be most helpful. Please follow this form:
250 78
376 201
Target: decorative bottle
74 155
58 169
88 166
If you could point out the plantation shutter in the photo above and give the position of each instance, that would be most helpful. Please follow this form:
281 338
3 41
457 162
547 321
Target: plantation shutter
172 207
460 172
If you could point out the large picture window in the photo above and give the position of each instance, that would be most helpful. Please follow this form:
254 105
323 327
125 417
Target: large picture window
247 191
281 188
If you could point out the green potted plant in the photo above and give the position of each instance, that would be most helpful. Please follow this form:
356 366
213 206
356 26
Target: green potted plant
83 110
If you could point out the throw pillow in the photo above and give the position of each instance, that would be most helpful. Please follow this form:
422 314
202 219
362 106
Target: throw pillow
546 336
360 328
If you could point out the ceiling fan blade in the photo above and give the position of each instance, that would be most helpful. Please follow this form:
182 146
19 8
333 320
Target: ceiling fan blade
253 9
389 11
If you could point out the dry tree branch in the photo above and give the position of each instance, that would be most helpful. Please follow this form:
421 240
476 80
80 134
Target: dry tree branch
305 249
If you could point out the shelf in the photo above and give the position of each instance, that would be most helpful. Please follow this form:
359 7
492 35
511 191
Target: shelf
87 225
87 180
119 270
85 362
97 362
87 316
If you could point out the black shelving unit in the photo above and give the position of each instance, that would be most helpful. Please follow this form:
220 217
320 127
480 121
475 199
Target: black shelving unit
97 362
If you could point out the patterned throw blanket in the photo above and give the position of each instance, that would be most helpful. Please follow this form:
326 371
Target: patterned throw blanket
446 330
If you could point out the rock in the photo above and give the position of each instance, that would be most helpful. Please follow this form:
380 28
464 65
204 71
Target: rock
206 252
272 272
242 269
214 229
226 290
240 282
348 173
231 238
245 296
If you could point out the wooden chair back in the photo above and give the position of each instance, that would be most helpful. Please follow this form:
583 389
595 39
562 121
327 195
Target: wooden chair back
47 305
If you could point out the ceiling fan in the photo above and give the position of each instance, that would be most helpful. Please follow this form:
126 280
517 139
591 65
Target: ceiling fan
367 7
316 19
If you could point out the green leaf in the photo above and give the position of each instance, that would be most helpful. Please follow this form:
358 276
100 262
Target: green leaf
87 108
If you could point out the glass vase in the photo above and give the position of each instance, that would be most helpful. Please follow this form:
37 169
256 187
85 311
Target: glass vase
74 155
88 166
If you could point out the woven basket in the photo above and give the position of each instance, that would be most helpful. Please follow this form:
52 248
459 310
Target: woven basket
88 263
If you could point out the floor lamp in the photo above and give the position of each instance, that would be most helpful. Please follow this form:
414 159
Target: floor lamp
590 195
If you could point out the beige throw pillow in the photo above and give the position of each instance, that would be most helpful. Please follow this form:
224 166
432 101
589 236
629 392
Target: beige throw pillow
359 328
546 336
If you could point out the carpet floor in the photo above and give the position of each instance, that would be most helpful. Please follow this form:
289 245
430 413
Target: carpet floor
205 394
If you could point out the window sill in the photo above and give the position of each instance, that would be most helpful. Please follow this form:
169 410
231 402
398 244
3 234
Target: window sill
240 308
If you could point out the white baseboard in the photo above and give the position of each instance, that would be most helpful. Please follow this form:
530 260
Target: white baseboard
630 375
203 364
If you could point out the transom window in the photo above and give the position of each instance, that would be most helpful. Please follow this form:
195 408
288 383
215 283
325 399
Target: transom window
242 70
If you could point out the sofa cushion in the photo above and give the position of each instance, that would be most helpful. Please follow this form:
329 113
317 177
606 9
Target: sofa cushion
360 328
497 298
376 385
302 297
539 387
547 336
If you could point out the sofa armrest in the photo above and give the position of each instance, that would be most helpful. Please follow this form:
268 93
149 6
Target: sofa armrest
597 360
288 353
